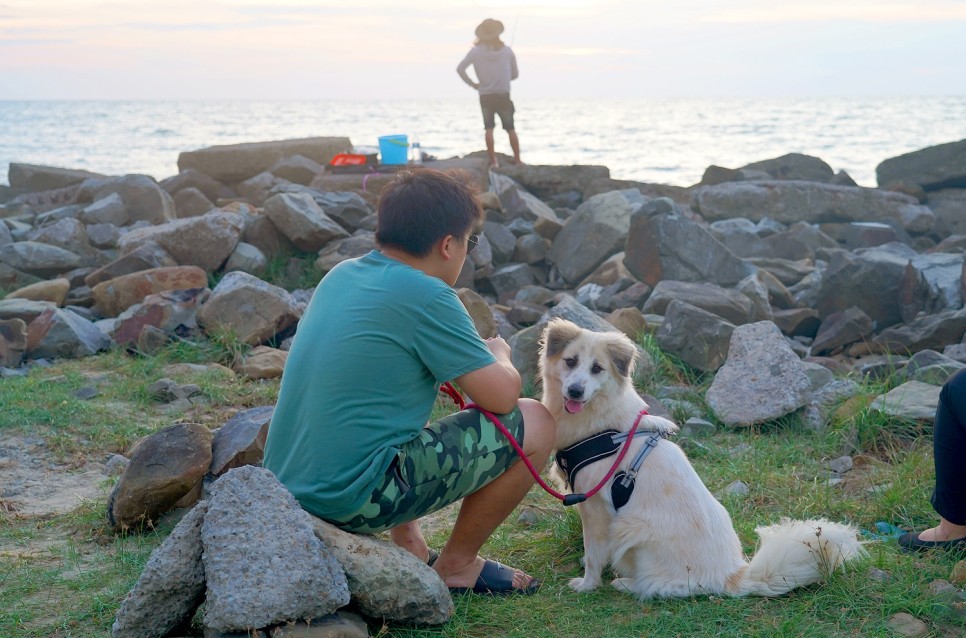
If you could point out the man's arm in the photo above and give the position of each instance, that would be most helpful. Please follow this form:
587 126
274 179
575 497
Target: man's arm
514 72
461 69
495 387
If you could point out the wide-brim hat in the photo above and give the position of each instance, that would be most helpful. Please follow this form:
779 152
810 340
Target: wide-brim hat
489 29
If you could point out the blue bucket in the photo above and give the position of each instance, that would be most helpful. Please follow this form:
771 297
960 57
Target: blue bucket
394 149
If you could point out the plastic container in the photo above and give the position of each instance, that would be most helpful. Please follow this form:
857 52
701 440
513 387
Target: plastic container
394 149
417 152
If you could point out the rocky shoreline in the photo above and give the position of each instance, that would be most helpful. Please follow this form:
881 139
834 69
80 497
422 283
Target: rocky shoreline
782 279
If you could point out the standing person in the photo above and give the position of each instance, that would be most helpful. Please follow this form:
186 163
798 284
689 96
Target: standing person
949 451
350 436
495 66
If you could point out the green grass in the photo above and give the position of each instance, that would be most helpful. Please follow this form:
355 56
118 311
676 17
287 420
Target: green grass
65 576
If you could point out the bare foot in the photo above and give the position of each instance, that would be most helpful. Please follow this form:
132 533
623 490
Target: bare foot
494 163
467 575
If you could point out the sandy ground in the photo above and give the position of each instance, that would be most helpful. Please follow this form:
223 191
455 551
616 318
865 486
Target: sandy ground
33 483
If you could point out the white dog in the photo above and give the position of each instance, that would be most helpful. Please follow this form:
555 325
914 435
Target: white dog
672 538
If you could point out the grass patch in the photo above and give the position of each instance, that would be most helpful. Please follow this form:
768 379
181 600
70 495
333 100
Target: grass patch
65 576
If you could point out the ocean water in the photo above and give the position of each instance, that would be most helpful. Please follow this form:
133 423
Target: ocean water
667 141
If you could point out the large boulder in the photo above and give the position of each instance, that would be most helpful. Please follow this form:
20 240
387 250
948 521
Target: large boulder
794 166
300 219
597 230
30 178
58 333
932 168
667 245
205 241
252 309
143 198
39 259
116 295
762 380
237 162
794 201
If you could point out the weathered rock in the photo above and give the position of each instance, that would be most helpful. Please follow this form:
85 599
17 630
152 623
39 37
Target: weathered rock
143 198
300 219
296 169
24 309
253 310
30 178
106 210
728 304
930 284
191 202
247 258
597 230
550 182
263 561
509 278
53 290
170 588
61 334
700 338
794 166
174 312
794 201
762 379
670 246
931 332
518 203
236 162
262 362
204 241
912 400
36 258
212 189
868 279
146 256
479 311
114 296
337 251
840 329
241 440
932 168
264 235
163 467
13 342
374 569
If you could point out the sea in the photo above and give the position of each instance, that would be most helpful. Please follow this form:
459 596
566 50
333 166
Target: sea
666 141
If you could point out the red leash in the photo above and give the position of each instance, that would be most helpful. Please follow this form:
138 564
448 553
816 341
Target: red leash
568 499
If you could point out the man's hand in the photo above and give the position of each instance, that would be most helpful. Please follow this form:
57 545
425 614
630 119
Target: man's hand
497 386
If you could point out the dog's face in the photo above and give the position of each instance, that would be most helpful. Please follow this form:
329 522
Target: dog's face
584 363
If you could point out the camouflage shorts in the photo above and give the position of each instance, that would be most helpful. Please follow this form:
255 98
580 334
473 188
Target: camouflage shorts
450 459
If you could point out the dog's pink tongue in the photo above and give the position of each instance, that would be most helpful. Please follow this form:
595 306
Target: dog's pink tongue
574 406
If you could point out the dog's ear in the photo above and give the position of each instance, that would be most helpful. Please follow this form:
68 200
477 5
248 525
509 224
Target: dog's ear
623 353
556 336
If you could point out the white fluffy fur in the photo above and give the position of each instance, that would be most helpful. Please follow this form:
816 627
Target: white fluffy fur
673 538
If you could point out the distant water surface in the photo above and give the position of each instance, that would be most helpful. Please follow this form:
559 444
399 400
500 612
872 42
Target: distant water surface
669 141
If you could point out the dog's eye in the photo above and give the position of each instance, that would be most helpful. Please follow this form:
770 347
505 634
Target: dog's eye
596 369
571 362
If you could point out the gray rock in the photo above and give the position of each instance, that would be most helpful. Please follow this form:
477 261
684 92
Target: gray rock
143 198
700 338
106 210
191 202
930 284
840 329
375 568
931 332
795 166
338 250
37 258
204 241
300 219
241 440
263 562
13 342
233 303
912 400
761 380
932 168
730 305
171 586
246 258
297 169
62 334
236 162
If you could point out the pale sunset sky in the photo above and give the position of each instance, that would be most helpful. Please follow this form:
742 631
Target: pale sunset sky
365 49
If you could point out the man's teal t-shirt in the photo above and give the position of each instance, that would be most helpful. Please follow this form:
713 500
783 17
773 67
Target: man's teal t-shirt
374 345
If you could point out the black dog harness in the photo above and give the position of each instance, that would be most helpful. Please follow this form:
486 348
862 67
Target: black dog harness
579 455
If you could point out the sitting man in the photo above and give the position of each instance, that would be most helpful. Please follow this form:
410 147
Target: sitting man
350 436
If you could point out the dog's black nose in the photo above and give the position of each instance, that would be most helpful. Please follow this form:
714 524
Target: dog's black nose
576 391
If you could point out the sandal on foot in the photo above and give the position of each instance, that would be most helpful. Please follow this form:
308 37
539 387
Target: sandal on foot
496 580
911 542
431 557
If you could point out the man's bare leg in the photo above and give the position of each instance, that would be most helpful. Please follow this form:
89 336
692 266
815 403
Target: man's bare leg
483 511
409 536
515 145
490 149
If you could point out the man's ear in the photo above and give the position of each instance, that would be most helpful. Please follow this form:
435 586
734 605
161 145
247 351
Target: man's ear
446 247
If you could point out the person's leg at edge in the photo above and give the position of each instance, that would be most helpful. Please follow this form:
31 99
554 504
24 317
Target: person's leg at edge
515 145
949 444
481 513
490 148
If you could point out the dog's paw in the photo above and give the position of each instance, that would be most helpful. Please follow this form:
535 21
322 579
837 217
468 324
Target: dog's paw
583 584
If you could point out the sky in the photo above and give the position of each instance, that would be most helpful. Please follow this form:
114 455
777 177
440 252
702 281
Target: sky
366 49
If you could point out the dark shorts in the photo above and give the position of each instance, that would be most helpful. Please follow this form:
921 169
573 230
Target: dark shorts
450 459
497 104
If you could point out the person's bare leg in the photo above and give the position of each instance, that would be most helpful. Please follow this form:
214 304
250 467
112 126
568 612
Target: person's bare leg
515 145
490 148
945 531
483 511
409 536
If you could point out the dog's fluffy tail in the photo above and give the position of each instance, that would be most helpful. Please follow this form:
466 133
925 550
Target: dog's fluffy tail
798 553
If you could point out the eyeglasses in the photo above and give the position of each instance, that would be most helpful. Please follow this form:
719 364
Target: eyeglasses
472 242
